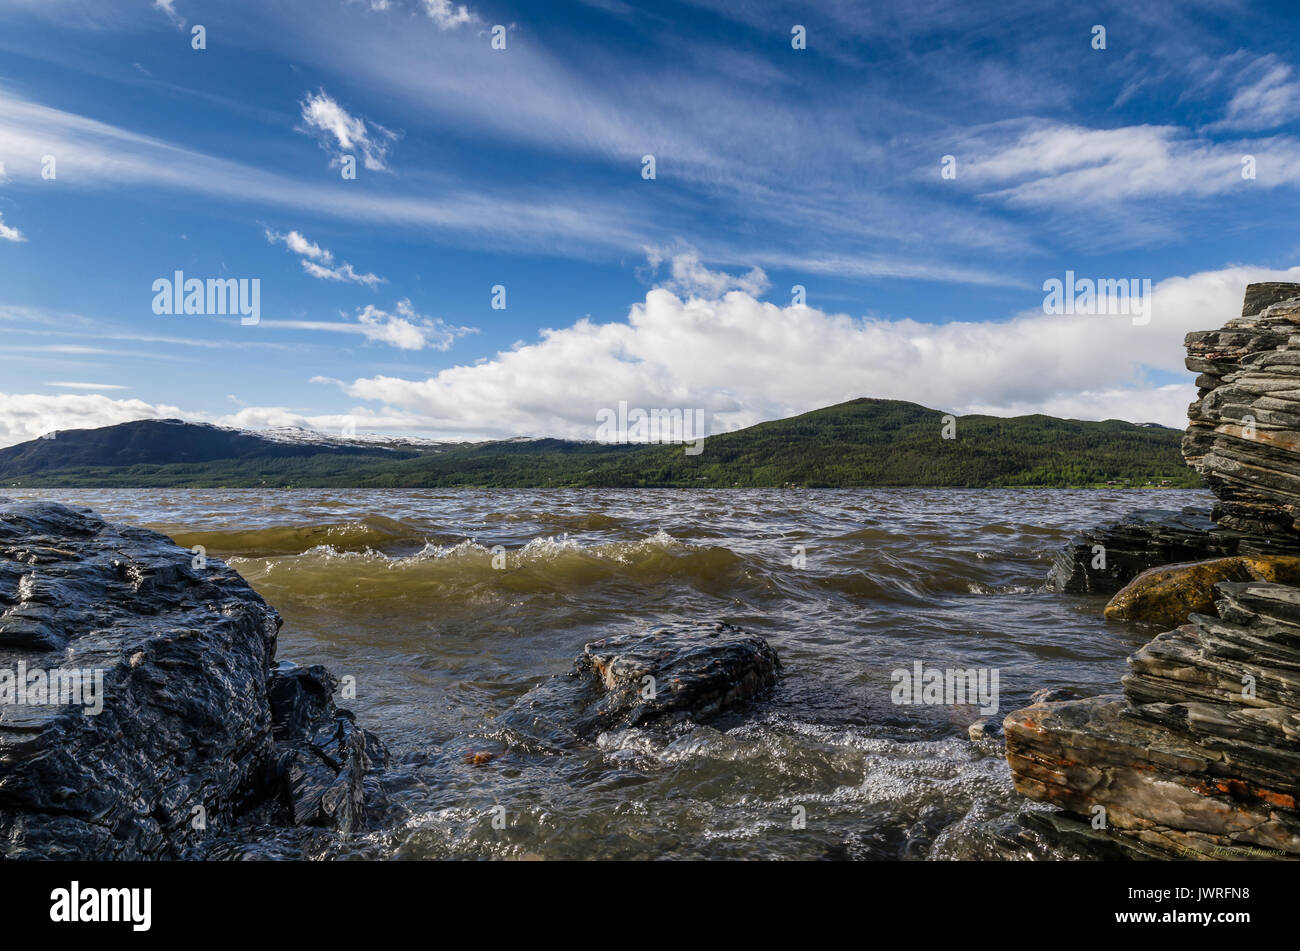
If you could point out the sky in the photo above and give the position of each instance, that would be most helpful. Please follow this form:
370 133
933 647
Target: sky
457 231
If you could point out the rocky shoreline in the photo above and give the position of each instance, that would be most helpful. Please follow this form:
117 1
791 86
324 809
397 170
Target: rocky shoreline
143 713
1200 755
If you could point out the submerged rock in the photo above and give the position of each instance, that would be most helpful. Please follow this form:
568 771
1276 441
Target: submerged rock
689 670
194 730
1169 595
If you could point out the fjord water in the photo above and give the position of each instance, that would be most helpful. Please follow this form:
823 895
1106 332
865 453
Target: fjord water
398 589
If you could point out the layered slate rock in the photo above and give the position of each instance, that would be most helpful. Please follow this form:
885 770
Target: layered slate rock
1103 560
196 728
1200 756
683 671
1244 428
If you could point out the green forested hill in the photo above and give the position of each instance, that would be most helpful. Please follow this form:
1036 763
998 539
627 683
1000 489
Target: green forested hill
864 442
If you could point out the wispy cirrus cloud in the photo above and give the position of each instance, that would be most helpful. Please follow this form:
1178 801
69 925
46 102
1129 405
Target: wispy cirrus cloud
87 386
1055 164
1268 96
95 154
169 7
559 220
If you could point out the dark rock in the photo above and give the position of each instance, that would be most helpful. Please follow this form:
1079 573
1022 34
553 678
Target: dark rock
1103 560
690 670
193 725
321 759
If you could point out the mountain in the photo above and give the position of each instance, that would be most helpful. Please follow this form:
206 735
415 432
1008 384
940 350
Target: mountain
864 442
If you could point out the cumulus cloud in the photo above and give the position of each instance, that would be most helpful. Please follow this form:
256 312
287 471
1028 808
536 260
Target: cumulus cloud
687 277
25 416
402 327
7 233
743 360
448 15
341 133
360 420
319 262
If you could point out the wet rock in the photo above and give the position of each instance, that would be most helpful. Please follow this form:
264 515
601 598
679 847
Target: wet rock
986 730
689 670
1201 754
321 760
193 720
1103 560
1052 695
1169 595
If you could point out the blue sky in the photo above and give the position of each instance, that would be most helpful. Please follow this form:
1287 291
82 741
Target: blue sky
522 167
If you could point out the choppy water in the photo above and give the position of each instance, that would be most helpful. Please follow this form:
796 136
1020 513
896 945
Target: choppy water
398 589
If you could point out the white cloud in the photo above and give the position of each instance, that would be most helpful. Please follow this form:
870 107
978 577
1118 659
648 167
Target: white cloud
483 215
318 261
360 419
299 245
25 416
743 360
10 234
448 15
344 273
1165 404
1268 98
169 7
402 328
689 278
88 386
1065 166
342 134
